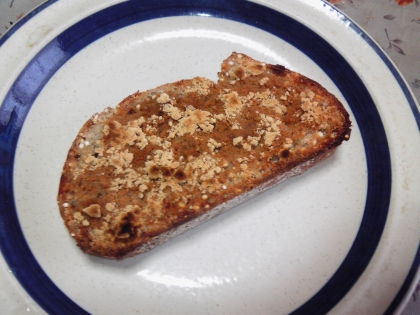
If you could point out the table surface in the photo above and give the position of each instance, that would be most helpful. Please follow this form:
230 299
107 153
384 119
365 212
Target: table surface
393 24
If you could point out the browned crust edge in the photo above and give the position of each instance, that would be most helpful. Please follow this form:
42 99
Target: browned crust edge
221 208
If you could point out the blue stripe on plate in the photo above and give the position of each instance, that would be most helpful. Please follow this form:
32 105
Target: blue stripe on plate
26 88
412 103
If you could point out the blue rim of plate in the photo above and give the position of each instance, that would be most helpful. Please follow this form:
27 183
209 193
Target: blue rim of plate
43 66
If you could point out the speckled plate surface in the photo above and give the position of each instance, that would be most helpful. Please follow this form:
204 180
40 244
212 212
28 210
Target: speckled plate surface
342 238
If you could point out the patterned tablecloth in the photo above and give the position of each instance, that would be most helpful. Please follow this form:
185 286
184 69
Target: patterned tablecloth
393 24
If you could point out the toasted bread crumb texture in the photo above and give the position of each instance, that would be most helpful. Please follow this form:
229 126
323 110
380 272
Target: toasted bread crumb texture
167 156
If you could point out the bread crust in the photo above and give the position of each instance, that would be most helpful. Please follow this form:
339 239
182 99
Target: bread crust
170 158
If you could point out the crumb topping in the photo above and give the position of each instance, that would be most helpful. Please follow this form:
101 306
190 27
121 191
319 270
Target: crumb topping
93 211
313 110
263 81
232 104
193 120
172 111
201 86
163 98
164 156
213 145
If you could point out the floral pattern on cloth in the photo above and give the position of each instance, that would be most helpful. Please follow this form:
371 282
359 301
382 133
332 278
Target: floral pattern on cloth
11 11
407 2
400 2
395 26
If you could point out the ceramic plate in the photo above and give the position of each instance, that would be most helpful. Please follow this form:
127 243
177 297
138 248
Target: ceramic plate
342 238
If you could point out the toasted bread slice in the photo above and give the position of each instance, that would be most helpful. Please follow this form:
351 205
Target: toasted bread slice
170 158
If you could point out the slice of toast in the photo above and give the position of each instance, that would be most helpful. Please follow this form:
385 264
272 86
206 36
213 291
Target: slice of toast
167 159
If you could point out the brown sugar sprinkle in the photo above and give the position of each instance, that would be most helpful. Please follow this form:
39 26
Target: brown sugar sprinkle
93 211
166 156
